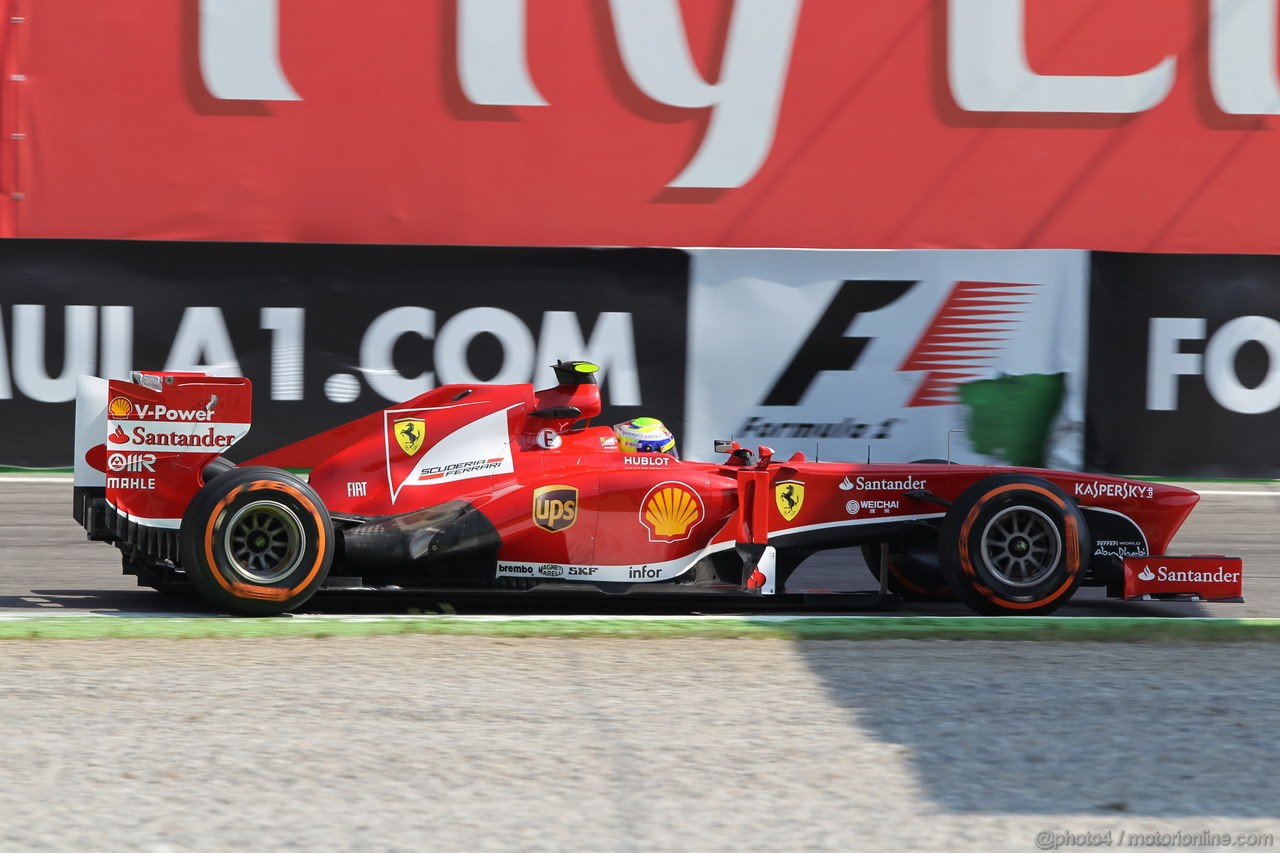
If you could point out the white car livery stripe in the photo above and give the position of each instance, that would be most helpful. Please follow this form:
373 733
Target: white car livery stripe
853 522
164 523
638 573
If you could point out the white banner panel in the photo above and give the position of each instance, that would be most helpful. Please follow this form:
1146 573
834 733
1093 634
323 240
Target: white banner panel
845 354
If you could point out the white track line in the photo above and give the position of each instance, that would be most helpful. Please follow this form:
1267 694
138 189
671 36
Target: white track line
765 618
35 481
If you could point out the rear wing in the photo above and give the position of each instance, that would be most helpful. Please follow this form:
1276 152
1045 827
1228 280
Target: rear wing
141 448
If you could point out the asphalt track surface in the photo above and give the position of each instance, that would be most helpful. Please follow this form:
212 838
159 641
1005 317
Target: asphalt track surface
47 566
497 743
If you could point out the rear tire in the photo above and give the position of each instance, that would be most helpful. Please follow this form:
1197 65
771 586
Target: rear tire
256 541
1014 545
218 465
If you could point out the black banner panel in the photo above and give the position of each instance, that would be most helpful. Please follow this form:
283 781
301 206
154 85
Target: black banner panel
1184 365
329 333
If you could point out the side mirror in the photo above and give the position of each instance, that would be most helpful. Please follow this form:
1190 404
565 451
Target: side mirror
738 455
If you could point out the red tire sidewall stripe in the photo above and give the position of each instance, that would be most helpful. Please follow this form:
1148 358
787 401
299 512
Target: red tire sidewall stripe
246 590
1072 546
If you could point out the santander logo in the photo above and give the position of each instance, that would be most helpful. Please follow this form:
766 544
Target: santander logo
1163 573
1207 577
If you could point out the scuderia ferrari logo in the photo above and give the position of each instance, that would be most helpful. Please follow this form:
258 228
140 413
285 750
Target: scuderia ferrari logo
409 434
789 495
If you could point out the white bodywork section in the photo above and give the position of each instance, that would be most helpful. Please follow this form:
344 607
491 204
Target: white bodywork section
91 428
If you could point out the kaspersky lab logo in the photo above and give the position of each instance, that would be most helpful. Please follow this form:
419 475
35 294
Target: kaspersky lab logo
963 340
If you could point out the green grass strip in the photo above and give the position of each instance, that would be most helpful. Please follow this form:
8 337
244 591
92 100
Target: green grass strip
1048 628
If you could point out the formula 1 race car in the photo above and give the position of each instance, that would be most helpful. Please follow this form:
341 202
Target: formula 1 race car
504 488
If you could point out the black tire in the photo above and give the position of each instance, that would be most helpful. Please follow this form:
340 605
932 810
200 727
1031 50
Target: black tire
1014 545
217 465
914 572
256 541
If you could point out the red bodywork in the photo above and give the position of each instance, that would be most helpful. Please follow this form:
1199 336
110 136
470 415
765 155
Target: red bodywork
359 469
564 502
160 434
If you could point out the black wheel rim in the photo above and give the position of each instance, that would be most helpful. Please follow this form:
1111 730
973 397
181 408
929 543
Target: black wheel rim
1021 546
264 542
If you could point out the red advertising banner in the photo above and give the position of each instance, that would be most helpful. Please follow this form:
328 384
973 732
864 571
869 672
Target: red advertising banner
1133 125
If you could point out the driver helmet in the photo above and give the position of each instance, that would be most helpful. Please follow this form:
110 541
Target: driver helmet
645 435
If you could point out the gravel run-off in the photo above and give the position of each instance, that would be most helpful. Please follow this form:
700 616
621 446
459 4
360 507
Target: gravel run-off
474 743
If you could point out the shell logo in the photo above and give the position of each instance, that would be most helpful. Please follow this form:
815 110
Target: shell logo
670 512
120 407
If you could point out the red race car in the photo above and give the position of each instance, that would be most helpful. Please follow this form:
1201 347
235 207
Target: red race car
503 487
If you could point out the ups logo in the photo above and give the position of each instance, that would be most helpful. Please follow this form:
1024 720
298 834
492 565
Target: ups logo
555 508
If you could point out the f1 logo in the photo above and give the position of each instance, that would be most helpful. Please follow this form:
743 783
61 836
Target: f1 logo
828 347
966 334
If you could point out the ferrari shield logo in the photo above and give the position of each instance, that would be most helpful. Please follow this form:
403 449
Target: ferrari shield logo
789 495
409 434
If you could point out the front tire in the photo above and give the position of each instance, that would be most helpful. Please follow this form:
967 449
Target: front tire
1014 545
256 541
